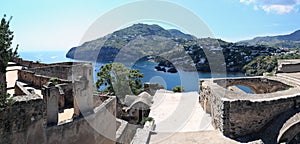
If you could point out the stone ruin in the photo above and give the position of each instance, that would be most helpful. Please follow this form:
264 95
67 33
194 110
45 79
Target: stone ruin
248 117
34 118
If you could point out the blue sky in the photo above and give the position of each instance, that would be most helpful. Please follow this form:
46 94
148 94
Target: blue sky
60 25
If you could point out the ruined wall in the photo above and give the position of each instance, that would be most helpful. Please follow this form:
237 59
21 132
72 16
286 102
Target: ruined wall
28 63
60 71
66 99
213 104
31 64
18 120
246 117
236 118
98 128
125 132
288 68
36 80
20 90
99 99
24 122
151 88
257 85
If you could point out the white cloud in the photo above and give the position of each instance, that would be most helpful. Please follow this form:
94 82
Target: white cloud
279 9
274 6
247 1
255 7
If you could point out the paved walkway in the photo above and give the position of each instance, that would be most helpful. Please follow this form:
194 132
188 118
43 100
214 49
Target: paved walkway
201 137
177 113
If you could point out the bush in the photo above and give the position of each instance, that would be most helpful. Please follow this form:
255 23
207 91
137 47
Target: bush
178 89
145 119
54 80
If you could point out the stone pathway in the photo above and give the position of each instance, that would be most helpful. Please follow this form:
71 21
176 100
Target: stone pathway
178 114
201 137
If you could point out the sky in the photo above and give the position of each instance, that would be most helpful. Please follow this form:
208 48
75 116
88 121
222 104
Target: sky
54 25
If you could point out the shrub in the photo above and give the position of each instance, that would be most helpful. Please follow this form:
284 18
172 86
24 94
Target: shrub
145 119
54 80
178 89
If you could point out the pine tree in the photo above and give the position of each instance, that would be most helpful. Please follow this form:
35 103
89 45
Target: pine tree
6 54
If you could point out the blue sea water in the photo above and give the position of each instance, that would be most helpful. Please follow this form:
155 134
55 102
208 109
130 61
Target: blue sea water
189 80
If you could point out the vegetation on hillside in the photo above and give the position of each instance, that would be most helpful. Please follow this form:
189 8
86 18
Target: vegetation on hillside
282 41
172 48
263 64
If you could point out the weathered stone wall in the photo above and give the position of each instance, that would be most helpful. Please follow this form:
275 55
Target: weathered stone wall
257 85
99 99
240 117
31 64
289 68
36 80
18 119
247 117
28 63
151 88
20 90
24 122
97 128
125 132
59 71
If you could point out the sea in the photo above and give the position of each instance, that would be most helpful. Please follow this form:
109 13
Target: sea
189 80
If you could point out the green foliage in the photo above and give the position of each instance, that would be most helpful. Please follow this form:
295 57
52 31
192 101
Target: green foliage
54 80
6 54
271 74
5 101
178 89
263 64
119 80
145 119
6 51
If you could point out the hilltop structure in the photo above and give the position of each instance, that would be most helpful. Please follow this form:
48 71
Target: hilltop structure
270 113
57 103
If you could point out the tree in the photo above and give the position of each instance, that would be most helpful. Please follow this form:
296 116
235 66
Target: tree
178 89
119 80
6 54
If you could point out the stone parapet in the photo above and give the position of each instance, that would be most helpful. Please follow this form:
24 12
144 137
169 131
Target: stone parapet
236 114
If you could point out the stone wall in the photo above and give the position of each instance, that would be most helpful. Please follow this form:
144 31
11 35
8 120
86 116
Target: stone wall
99 99
289 68
257 85
237 115
151 88
31 64
97 128
20 90
246 117
28 63
18 119
125 132
59 71
25 122
36 80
